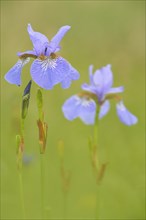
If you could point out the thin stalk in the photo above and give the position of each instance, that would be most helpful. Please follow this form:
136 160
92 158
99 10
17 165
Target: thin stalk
65 206
21 194
22 127
20 169
97 202
95 140
20 142
97 165
42 185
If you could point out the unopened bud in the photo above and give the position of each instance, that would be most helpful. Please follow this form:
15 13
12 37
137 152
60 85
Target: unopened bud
25 100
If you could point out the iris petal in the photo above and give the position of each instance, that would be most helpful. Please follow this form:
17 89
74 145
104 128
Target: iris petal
71 107
41 73
124 115
91 74
91 87
54 44
27 53
64 73
103 80
88 88
13 76
108 77
104 109
87 111
69 75
115 90
80 107
40 41
49 72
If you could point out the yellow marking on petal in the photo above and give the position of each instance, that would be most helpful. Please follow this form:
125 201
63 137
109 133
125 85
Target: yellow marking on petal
113 96
42 57
53 56
24 56
88 95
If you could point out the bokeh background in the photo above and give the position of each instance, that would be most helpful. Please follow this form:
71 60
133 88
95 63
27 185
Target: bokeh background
102 32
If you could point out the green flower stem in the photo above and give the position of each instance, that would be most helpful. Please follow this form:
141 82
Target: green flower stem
22 127
21 194
96 162
40 104
97 202
20 168
20 141
42 184
95 141
65 206
42 143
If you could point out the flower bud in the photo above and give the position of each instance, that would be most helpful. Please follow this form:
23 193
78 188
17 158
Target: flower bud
25 100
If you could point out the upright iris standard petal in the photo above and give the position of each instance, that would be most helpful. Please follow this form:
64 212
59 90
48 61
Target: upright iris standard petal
40 41
104 109
91 87
54 44
124 115
13 76
91 74
103 80
49 72
108 77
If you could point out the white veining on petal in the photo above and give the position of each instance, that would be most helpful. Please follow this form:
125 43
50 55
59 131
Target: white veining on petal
84 101
25 61
121 106
22 62
19 63
48 63
78 100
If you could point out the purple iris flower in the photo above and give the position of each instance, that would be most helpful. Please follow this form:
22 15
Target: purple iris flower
95 97
48 69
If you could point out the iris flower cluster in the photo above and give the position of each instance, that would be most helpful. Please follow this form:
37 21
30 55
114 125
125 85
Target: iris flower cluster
95 99
49 69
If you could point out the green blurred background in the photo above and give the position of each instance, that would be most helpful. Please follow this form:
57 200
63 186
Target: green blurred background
102 32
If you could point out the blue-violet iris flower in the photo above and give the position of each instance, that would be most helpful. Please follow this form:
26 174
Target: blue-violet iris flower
95 99
48 69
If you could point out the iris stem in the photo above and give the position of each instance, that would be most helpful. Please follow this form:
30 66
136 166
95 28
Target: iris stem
95 140
21 194
97 202
42 184
20 171
22 127
97 165
39 97
65 206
